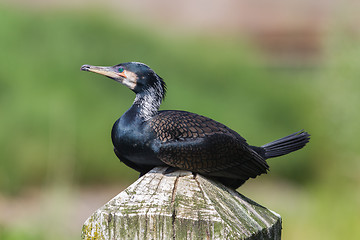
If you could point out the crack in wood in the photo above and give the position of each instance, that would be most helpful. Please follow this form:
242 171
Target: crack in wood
201 189
148 209
204 197
152 195
109 219
173 216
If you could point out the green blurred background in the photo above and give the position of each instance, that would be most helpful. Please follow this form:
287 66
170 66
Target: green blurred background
265 76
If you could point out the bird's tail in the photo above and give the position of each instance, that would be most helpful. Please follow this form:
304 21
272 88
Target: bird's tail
286 144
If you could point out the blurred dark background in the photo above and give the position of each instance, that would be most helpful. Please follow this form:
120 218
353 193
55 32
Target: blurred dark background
264 68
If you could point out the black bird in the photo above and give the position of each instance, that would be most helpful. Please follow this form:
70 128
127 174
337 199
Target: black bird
145 137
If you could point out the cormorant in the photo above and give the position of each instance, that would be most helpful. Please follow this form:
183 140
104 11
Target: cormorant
145 137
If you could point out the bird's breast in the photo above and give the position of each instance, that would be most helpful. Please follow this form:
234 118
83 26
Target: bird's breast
134 141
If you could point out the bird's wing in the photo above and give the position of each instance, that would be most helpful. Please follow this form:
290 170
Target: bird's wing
200 144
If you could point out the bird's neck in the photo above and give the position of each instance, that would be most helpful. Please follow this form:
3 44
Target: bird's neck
147 103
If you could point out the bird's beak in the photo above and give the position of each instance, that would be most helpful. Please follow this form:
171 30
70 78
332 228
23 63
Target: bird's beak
106 71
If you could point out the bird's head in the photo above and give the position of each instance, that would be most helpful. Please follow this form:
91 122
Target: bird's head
136 76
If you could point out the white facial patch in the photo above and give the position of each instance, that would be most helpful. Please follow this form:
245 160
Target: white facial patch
131 80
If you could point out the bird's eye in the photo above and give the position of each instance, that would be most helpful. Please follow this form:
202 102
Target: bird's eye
120 70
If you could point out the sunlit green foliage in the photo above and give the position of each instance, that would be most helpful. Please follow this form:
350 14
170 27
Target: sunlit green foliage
57 120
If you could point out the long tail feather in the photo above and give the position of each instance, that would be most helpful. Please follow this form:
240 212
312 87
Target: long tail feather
286 144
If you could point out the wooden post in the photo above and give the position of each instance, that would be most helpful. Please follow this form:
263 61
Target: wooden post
181 206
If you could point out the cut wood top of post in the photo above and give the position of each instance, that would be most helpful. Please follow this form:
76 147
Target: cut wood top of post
181 205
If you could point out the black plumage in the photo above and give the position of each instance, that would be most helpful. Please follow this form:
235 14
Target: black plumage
145 137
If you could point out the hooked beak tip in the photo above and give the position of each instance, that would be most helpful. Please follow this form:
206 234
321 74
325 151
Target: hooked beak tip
85 67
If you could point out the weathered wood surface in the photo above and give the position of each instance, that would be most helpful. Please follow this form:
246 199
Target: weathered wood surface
181 206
